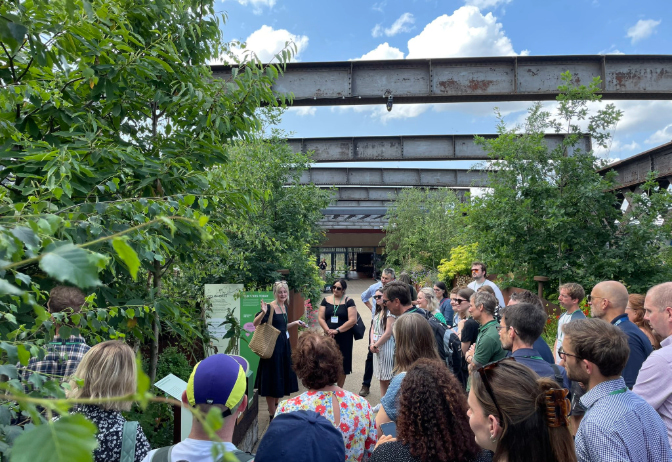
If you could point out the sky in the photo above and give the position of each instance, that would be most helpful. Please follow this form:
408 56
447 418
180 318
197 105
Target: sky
385 29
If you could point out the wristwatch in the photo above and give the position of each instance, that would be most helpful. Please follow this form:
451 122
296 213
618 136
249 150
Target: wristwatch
337 330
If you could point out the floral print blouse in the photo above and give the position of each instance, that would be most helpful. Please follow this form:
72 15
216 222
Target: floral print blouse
357 421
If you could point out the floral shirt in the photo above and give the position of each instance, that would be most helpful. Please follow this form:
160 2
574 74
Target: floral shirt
357 421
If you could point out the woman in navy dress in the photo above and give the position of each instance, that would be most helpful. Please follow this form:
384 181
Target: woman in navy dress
275 376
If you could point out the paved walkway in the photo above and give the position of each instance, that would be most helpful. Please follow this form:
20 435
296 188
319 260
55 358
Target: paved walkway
353 382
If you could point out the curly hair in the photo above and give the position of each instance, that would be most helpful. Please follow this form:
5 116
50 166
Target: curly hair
433 419
317 360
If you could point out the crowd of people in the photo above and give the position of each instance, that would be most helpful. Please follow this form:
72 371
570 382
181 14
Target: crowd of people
463 377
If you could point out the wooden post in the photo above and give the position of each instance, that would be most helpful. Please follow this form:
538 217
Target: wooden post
540 285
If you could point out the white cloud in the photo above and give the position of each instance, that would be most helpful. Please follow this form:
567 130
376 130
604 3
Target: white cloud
303 111
643 29
467 32
383 51
257 5
379 6
403 24
615 146
267 42
662 136
485 4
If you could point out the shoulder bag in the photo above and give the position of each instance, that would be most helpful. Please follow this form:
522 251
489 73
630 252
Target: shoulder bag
264 337
359 329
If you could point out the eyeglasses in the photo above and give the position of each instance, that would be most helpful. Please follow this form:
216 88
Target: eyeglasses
563 354
337 288
482 372
277 283
385 302
475 270
590 298
377 297
458 300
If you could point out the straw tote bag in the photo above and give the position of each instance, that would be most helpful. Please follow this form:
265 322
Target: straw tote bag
264 337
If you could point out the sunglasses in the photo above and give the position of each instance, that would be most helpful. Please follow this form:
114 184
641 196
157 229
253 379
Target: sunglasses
590 298
482 372
377 297
458 300
563 354
337 288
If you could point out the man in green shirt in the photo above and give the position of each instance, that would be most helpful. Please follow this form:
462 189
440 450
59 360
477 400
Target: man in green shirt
488 347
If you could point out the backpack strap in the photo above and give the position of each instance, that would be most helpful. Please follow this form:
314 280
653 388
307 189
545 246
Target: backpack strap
128 439
163 454
558 375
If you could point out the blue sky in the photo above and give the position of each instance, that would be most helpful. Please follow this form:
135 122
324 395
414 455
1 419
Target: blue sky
339 31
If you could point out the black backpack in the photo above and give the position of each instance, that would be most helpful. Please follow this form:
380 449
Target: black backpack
448 344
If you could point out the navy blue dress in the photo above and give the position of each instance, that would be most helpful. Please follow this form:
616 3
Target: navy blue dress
275 376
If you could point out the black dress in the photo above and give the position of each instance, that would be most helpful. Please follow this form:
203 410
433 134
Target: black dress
275 376
344 339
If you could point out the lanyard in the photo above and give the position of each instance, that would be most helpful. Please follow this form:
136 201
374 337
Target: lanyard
619 391
336 307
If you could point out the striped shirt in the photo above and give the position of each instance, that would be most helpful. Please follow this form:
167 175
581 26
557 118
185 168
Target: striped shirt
620 426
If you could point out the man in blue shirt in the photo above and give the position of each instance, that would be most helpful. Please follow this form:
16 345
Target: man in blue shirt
525 296
608 300
618 425
387 276
520 326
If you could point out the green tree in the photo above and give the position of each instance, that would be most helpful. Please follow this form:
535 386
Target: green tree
423 226
111 126
549 213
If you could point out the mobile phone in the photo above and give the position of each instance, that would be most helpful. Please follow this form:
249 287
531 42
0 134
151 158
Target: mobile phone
389 428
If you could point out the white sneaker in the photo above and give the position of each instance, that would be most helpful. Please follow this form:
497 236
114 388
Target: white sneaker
376 408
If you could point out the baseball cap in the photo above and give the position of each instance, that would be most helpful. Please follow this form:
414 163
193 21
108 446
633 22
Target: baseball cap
218 379
301 436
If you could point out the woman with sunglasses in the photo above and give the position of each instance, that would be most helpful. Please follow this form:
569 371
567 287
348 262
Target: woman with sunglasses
382 343
519 416
337 316
467 328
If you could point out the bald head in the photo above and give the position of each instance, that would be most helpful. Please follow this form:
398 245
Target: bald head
660 296
613 291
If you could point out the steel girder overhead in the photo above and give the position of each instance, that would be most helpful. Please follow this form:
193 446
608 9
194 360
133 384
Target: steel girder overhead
415 148
632 172
375 194
452 80
395 177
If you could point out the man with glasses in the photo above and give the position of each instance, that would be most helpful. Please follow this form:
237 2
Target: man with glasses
618 425
654 382
488 347
607 301
386 276
479 272
520 326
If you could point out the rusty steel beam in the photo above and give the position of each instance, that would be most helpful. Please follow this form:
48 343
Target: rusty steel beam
632 171
395 177
453 80
411 148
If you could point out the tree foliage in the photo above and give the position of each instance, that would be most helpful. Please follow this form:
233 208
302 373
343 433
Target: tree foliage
422 227
550 213
112 131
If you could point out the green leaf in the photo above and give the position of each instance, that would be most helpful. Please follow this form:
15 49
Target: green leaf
189 200
9 289
24 355
12 352
143 383
27 236
68 439
202 220
73 264
163 64
127 255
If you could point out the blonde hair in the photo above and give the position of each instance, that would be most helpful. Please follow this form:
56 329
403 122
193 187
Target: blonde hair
280 285
432 302
108 371
414 339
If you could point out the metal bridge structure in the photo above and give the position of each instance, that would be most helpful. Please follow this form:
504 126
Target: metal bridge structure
362 195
